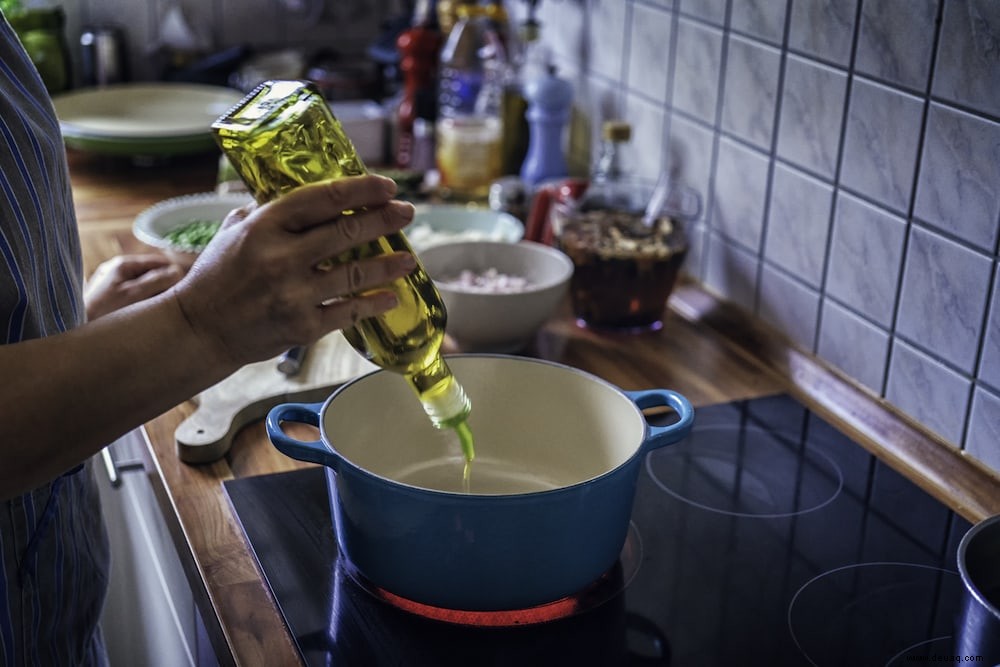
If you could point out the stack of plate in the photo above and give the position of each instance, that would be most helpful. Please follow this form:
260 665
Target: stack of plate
143 119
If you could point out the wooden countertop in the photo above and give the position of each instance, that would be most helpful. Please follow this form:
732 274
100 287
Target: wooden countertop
707 350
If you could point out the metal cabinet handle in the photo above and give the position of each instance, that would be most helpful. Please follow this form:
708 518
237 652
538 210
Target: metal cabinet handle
113 468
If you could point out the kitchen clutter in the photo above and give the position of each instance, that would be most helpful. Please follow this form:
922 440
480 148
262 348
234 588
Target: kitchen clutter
462 106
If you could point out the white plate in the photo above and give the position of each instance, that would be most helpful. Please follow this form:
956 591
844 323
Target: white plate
144 110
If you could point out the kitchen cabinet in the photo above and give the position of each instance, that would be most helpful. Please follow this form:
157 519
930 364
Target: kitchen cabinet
150 617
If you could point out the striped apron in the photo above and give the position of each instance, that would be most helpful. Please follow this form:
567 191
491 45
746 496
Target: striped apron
53 544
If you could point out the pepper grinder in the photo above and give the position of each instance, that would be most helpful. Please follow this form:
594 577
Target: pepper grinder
549 101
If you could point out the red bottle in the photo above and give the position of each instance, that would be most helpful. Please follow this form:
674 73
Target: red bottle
419 49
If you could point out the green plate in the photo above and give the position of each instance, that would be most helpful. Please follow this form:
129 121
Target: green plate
155 119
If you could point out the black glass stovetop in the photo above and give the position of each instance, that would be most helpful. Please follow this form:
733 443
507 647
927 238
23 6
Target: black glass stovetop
766 537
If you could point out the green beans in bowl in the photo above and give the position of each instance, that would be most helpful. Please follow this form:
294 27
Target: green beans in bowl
181 227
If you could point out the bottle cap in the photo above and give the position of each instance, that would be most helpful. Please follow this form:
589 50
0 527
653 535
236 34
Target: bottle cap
470 11
616 130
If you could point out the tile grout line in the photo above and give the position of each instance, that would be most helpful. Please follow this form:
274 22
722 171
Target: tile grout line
772 154
909 221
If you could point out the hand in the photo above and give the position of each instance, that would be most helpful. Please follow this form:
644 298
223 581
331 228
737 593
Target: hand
126 279
265 283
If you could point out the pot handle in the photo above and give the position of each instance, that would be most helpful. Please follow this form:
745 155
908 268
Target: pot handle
313 451
660 436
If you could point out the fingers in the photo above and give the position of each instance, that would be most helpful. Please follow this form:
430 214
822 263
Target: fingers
237 215
348 231
256 288
156 280
127 279
343 313
134 266
318 203
351 278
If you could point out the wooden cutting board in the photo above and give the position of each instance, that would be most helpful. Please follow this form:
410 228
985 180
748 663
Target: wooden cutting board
248 394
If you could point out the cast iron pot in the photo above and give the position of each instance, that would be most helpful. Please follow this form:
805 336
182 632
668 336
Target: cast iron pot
558 453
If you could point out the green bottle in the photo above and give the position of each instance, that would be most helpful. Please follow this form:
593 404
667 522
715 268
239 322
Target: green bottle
283 135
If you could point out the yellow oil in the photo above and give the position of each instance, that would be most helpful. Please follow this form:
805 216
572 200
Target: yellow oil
284 135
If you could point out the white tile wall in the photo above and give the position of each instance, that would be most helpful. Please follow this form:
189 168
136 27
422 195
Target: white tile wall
848 155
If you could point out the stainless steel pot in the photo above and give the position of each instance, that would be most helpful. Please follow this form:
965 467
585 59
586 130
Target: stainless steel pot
551 492
979 565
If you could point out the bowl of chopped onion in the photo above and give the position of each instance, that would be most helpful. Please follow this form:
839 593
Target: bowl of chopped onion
182 226
498 294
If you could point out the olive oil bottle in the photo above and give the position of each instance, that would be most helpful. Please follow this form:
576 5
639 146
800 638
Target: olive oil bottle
283 135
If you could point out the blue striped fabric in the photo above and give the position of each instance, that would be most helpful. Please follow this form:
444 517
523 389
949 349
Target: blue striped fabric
53 543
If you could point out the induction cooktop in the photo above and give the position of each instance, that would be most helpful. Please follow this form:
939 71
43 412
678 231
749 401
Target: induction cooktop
766 537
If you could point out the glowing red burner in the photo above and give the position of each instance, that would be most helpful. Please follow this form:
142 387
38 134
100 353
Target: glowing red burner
606 587
544 613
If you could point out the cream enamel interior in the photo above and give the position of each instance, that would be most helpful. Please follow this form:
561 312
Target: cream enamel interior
530 419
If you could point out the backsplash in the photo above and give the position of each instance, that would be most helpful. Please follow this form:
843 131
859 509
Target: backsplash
848 152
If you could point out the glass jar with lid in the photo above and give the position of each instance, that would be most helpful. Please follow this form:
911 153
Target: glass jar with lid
624 269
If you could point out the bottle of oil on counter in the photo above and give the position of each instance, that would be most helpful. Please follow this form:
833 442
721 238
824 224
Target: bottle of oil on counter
283 135
468 131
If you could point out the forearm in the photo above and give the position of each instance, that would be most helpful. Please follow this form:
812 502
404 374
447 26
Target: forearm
66 396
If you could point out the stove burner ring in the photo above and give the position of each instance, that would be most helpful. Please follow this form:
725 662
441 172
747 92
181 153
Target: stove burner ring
727 464
902 656
607 586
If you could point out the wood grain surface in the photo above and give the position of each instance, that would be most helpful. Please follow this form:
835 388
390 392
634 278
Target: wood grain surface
248 394
707 350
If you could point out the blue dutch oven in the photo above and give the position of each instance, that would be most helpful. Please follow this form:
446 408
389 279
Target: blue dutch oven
558 453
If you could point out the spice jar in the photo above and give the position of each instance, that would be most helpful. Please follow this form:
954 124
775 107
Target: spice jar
624 270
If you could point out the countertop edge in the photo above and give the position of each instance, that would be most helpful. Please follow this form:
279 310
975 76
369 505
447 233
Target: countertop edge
910 448
238 609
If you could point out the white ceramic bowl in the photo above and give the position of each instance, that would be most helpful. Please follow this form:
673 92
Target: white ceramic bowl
434 224
481 321
152 225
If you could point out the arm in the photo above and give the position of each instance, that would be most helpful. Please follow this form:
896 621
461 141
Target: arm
254 292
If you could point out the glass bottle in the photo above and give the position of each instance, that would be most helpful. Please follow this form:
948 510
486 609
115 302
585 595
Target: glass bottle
522 55
447 11
468 132
283 135
419 47
609 163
